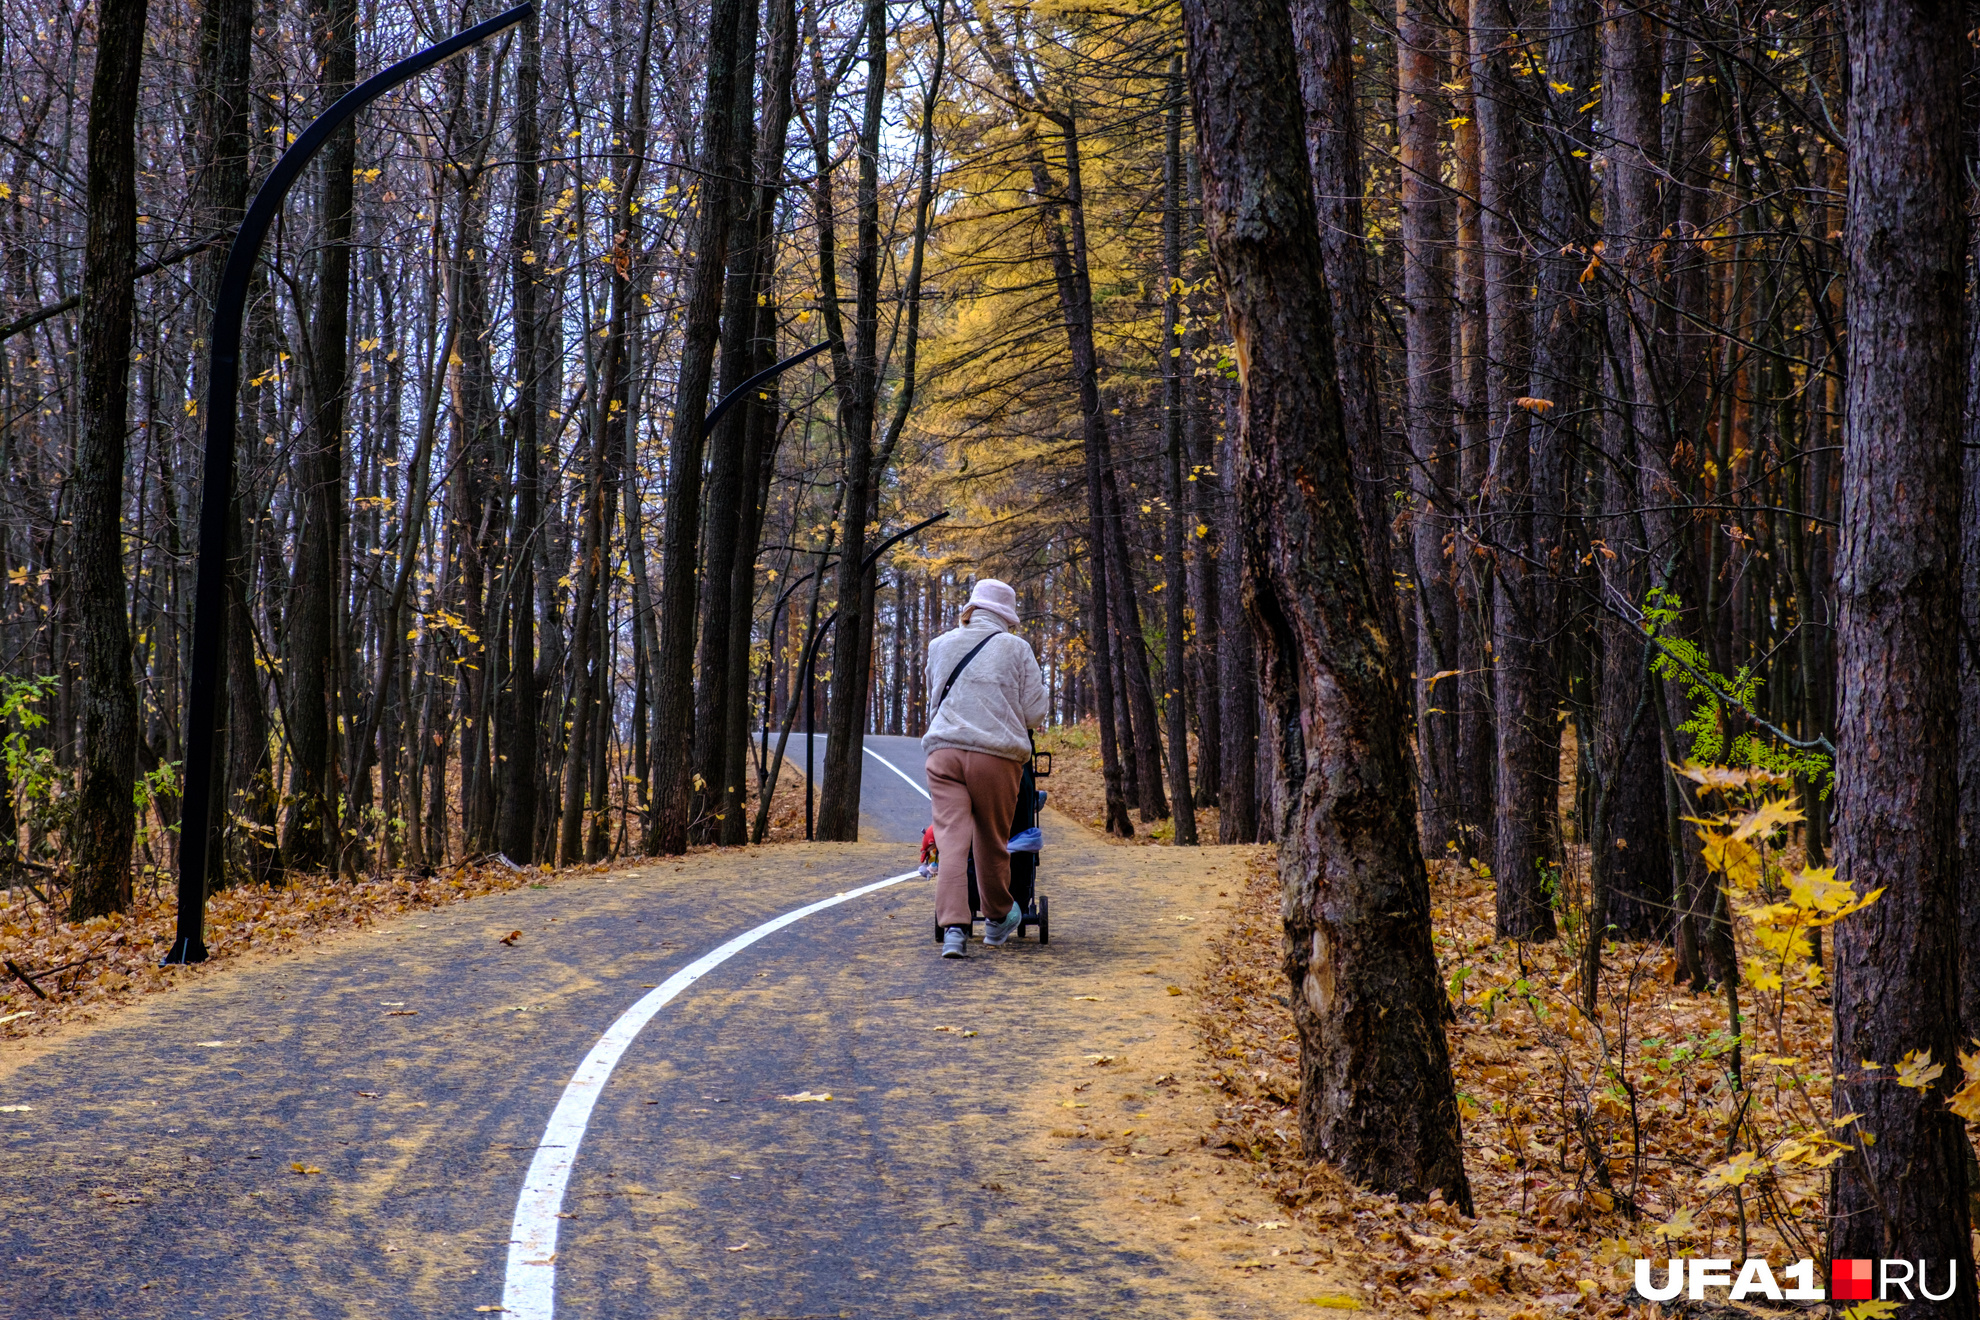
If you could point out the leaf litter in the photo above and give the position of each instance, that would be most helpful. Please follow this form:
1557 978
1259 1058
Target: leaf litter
78 970
1550 1129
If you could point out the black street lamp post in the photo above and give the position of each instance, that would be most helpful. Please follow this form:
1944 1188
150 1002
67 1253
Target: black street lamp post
206 685
207 682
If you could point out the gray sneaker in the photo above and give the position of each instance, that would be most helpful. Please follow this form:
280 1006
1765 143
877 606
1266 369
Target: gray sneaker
955 939
998 933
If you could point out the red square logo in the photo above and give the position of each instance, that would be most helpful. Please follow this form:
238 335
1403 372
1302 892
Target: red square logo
1849 1280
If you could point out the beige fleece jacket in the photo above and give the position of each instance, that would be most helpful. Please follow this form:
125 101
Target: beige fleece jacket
998 700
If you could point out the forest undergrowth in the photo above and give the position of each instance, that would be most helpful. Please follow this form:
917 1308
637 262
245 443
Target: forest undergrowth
1078 788
1647 1130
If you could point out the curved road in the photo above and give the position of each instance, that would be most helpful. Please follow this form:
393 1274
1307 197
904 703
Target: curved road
344 1132
893 784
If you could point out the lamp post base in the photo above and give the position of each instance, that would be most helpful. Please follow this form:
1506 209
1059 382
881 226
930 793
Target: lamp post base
186 950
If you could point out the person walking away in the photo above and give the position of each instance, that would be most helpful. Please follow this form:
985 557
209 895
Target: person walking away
990 695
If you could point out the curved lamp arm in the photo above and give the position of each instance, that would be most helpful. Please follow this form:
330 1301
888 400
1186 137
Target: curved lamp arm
207 681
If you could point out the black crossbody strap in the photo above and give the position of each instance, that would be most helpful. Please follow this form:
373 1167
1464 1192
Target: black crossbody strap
956 673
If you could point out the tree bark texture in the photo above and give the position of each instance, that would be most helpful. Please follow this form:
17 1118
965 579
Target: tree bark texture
760 443
105 825
727 479
1377 1097
220 197
1175 582
856 375
673 698
1896 963
1477 745
309 832
1426 238
1325 35
516 740
1523 862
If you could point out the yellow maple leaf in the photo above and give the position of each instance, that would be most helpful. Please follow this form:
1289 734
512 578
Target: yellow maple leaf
1773 814
1917 1071
1871 1310
1966 1100
1735 1171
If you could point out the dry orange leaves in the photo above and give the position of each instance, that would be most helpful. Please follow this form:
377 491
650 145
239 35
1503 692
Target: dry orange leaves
1583 1153
56 971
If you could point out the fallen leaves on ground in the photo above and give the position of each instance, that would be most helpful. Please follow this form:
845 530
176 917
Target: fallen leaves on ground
1553 1227
81 968
1077 787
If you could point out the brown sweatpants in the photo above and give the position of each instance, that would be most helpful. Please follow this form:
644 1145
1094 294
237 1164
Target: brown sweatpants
974 795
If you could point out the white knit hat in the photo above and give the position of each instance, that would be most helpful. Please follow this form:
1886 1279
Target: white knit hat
994 597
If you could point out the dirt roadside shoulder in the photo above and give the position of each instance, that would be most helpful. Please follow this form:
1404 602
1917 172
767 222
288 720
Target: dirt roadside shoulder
1134 1115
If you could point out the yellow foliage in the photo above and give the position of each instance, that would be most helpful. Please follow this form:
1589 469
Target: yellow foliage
1917 1071
1735 1171
1872 1310
1966 1100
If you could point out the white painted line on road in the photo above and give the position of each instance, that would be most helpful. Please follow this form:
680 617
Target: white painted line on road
897 770
530 1289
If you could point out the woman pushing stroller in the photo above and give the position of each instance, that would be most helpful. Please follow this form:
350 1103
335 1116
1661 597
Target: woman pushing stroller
990 695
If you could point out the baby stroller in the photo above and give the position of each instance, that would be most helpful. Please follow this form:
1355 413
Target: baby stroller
1027 841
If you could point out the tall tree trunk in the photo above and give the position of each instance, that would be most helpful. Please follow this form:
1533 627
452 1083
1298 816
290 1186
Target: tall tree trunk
104 824
1633 850
1476 742
673 695
1523 855
582 654
1175 582
516 743
1660 406
1237 669
1206 593
1629 840
1144 728
717 797
219 199
310 643
856 380
1562 360
474 486
1426 236
760 445
1560 378
1325 33
1896 964
1376 1098
1969 630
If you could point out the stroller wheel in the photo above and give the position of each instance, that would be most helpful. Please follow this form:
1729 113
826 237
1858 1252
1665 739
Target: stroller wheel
1044 919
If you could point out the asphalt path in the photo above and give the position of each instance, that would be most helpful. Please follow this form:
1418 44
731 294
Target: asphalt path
345 1131
893 784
